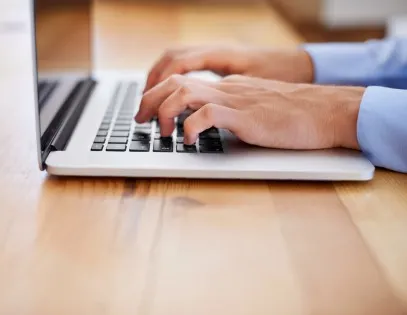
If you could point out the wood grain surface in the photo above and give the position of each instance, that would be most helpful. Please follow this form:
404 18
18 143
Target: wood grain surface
137 246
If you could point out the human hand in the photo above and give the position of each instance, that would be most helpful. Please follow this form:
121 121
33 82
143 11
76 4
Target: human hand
283 65
260 112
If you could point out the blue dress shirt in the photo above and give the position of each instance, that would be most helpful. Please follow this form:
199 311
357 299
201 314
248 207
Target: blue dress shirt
382 67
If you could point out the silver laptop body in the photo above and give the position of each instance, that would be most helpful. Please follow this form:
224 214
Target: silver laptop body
85 124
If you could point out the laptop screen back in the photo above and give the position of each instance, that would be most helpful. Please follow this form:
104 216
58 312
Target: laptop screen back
63 51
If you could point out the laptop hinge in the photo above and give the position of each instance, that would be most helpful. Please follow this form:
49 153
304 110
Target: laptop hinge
67 118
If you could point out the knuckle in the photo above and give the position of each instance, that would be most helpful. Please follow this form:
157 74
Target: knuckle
177 61
170 54
176 79
184 91
208 112
186 94
233 78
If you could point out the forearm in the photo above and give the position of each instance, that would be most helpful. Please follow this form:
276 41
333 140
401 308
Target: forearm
382 63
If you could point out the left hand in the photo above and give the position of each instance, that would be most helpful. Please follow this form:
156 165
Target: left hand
258 111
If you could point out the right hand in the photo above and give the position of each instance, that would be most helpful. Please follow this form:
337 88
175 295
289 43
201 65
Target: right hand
262 112
293 65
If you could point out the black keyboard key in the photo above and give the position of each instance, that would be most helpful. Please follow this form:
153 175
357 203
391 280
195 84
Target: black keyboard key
163 145
210 137
102 133
183 148
104 127
210 142
210 134
210 146
158 137
180 132
180 139
121 128
118 140
140 135
181 118
140 146
97 147
116 147
142 131
100 140
210 149
120 134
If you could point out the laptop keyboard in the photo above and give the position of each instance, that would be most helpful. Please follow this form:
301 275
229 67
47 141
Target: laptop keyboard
118 132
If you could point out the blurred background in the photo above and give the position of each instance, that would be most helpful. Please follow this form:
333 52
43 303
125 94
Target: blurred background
157 24
316 20
344 20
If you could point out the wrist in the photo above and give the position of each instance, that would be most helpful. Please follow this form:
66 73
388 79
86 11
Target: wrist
346 113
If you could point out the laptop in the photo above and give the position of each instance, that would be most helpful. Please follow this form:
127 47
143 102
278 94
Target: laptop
85 124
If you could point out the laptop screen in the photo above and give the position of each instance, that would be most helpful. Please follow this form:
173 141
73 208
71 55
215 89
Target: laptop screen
63 51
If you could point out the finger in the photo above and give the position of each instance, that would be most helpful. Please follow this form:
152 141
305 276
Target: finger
159 66
191 96
212 115
214 60
155 72
152 99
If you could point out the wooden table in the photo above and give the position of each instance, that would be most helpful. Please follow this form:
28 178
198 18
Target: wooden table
125 246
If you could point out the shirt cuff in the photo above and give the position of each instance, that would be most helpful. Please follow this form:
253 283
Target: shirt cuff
382 127
343 64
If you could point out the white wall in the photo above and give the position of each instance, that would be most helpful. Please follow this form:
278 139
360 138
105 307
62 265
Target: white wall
13 10
361 12
14 35
397 26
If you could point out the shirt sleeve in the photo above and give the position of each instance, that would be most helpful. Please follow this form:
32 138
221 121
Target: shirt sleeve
382 127
381 63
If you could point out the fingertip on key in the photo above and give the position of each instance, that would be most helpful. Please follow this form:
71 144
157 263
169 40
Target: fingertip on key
138 118
188 140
